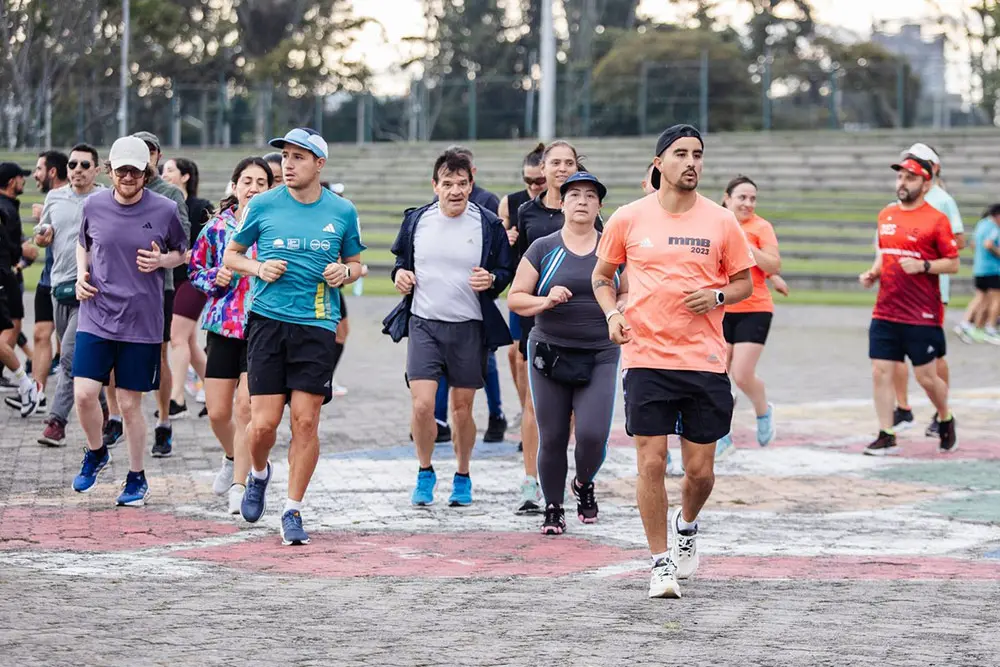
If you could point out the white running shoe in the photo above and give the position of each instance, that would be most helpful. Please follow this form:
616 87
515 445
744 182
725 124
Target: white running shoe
685 551
236 492
30 398
663 580
199 397
224 478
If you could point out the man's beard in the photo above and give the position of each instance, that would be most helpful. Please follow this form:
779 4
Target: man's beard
907 196
46 185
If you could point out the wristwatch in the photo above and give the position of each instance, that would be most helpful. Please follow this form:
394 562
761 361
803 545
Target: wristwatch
720 297
927 266
348 267
493 278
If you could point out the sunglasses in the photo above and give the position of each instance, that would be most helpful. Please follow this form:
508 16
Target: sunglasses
84 164
128 172
534 181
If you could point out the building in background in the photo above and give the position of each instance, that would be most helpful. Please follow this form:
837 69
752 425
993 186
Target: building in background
926 55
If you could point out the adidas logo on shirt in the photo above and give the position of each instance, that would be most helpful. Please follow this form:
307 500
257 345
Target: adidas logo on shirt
646 243
148 225
330 228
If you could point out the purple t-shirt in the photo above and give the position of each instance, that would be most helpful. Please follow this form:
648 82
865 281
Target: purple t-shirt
128 306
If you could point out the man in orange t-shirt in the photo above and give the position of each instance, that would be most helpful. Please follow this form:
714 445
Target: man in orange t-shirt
686 257
916 245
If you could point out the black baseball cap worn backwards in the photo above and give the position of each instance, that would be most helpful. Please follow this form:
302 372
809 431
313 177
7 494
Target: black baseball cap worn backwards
667 139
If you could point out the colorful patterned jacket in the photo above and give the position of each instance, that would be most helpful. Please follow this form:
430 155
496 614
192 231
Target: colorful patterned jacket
226 310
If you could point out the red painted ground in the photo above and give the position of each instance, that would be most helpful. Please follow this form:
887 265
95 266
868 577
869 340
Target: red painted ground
421 555
104 530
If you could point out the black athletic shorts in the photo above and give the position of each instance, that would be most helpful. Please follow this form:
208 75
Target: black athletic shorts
283 357
746 327
13 298
227 357
168 314
44 310
984 283
894 341
696 405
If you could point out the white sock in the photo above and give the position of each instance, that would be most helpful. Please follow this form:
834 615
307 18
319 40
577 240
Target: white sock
292 505
991 331
664 556
25 383
163 424
684 525
114 418
19 374
967 325
259 474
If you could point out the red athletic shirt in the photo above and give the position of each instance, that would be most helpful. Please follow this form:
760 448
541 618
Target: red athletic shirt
923 233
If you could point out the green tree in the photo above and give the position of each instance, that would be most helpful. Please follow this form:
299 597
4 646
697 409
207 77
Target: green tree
671 60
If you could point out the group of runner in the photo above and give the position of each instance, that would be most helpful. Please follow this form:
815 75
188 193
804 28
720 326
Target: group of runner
672 289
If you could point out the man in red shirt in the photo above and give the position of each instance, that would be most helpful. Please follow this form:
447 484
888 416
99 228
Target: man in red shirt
916 245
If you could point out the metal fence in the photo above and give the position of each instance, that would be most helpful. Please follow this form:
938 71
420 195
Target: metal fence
718 96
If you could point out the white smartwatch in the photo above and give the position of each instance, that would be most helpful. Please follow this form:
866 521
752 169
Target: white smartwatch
720 297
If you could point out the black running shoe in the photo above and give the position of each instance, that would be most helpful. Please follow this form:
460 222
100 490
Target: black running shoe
177 410
932 429
54 368
902 419
164 445
586 504
496 430
948 435
885 444
555 520
113 433
444 433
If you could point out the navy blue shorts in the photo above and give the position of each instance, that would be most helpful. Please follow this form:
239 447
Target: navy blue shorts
894 341
136 365
514 322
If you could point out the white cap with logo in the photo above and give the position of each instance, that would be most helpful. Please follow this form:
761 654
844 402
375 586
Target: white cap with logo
924 152
129 152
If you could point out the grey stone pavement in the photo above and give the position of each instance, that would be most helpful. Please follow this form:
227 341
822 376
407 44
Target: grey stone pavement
180 583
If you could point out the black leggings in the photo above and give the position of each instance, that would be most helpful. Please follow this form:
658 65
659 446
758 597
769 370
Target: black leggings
592 406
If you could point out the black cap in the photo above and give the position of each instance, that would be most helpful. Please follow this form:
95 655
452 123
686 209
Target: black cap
9 171
666 140
584 177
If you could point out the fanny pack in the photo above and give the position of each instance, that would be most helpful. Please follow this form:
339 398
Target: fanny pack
564 365
65 293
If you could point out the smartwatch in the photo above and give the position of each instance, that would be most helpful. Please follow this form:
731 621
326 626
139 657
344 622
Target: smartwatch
720 297
927 266
346 266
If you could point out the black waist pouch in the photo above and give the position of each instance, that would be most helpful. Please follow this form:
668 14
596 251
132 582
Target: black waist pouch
564 365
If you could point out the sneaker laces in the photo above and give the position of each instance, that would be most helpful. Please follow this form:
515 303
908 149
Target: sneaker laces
90 462
554 516
585 495
664 567
685 546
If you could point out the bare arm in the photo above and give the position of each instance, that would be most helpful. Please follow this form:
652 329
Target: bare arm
768 259
740 287
603 283
944 265
234 258
503 210
82 261
521 298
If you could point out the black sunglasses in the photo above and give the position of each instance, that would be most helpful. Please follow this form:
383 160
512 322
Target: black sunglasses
84 164
534 181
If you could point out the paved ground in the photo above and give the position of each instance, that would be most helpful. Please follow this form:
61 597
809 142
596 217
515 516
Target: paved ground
812 553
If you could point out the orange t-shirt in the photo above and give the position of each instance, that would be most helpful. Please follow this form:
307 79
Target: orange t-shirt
759 233
667 256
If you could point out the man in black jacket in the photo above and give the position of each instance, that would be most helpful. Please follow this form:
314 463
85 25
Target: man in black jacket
451 263
11 305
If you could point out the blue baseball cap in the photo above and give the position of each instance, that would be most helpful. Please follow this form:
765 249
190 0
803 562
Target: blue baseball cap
303 137
584 177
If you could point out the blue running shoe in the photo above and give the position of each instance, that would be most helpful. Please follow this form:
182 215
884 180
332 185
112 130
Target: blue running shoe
423 494
135 490
724 447
461 491
93 464
291 529
765 427
255 497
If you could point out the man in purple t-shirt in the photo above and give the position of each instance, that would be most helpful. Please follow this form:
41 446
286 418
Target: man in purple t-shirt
128 236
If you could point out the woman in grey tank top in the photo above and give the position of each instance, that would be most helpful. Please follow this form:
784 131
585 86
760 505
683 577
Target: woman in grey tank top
572 364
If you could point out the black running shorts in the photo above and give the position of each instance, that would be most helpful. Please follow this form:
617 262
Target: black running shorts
283 357
696 405
894 341
746 327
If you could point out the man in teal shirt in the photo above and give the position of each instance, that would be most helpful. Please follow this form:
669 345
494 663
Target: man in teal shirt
944 202
308 246
981 316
